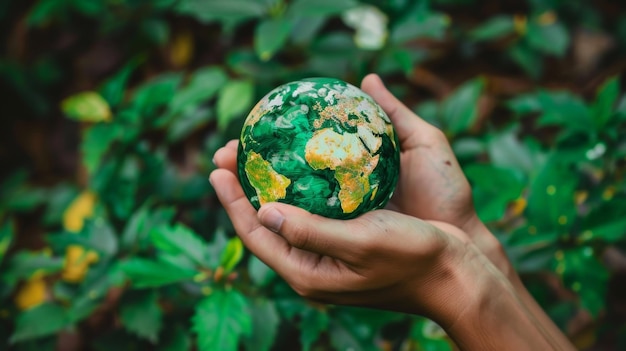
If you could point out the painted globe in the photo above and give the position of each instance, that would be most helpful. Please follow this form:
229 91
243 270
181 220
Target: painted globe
320 144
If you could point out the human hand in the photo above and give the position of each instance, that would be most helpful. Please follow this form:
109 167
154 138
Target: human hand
432 185
450 201
382 259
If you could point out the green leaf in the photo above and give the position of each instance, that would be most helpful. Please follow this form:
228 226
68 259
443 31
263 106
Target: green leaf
602 108
459 111
468 147
180 240
6 238
156 93
121 196
156 30
494 28
320 7
141 314
222 10
265 321
232 254
113 89
260 273
43 320
144 273
19 196
527 58
221 320
531 253
270 36
506 150
58 199
552 39
24 198
305 29
188 122
98 282
605 222
564 109
203 85
399 59
24 263
584 274
88 106
348 332
98 234
140 224
44 10
97 140
429 111
421 25
493 189
313 323
551 199
177 340
235 99
524 103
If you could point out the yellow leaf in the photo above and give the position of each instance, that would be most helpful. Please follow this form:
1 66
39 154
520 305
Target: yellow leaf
547 18
518 206
77 262
88 106
32 293
181 49
80 209
519 23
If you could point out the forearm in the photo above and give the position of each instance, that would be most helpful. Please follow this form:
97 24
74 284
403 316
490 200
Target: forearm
493 250
496 317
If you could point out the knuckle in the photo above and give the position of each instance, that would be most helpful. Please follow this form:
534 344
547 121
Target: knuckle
299 236
437 135
367 232
303 288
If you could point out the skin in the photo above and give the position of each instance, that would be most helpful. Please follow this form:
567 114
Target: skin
453 270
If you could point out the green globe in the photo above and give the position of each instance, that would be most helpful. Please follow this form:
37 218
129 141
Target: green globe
320 144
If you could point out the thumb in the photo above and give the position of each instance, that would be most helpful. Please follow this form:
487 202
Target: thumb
407 124
310 232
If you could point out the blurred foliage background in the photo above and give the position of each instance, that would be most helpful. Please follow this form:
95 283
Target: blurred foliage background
110 234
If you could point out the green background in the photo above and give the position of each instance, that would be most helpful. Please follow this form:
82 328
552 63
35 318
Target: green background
129 99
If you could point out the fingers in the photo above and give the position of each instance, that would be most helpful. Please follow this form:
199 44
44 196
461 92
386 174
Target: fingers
407 124
266 245
226 157
309 273
306 231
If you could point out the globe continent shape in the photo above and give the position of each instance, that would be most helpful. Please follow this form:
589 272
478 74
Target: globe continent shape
320 144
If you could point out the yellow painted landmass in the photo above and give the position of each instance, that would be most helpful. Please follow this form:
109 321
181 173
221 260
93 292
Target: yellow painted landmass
270 186
348 157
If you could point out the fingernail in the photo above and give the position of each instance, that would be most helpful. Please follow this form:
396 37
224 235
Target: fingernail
213 160
272 219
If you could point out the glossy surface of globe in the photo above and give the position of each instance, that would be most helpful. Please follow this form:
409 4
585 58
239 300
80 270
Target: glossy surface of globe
320 144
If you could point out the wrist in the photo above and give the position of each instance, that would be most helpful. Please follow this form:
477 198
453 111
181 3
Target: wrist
490 246
488 315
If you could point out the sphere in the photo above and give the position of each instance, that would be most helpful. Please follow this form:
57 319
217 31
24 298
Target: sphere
320 144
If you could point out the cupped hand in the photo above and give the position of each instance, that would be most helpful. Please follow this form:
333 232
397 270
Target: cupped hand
382 259
432 185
